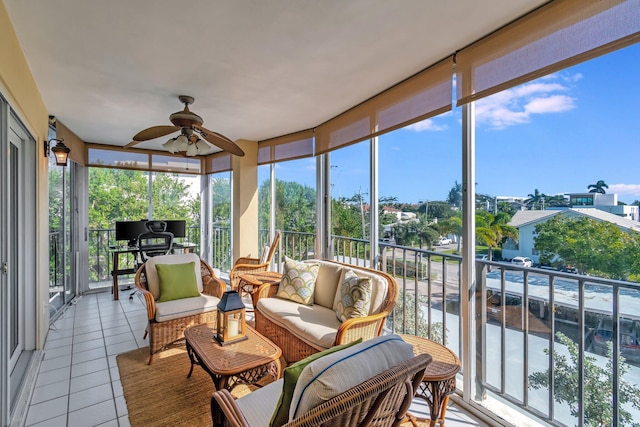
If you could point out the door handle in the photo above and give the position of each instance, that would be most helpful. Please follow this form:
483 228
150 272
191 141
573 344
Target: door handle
5 267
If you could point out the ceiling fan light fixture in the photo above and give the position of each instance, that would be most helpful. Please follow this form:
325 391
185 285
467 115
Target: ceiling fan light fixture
192 150
170 145
182 143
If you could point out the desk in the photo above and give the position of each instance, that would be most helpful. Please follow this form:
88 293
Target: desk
439 378
117 271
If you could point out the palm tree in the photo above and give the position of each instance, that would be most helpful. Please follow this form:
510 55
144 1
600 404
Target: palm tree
492 230
598 187
535 200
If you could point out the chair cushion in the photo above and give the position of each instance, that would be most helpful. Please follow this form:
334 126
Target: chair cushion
153 283
177 281
353 297
335 373
257 407
185 307
327 283
290 377
298 281
315 325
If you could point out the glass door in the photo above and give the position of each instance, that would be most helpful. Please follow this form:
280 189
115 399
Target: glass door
17 246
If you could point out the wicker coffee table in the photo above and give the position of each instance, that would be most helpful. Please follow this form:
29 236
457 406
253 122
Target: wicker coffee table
439 378
244 362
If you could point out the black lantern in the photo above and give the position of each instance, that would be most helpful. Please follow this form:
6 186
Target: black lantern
231 325
60 151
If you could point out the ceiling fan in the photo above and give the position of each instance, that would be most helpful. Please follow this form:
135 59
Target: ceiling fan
190 126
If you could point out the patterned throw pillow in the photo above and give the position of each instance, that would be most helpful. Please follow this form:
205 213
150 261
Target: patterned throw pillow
354 296
298 281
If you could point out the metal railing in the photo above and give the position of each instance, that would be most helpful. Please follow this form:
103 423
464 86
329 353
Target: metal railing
101 258
519 315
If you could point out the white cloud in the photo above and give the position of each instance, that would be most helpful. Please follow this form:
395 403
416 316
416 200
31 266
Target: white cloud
629 192
425 125
517 105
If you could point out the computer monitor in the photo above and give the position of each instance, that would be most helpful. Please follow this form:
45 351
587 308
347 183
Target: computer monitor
177 227
130 230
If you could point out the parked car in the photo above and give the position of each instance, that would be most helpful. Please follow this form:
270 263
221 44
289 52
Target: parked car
629 338
444 241
522 261
482 257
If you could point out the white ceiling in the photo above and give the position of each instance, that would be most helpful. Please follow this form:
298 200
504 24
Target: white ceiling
257 69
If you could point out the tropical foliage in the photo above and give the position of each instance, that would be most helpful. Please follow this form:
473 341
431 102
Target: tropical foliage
598 248
493 229
598 410
598 187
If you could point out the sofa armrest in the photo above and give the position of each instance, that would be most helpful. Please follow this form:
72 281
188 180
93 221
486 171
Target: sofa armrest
225 411
366 327
267 290
213 286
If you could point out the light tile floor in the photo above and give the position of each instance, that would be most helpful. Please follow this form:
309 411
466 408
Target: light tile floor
78 384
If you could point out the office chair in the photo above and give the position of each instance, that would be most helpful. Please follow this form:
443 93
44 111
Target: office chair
156 241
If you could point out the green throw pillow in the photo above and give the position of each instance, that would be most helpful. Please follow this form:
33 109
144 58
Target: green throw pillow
177 281
353 297
290 378
298 281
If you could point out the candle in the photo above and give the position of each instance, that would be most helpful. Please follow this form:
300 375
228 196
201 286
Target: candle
233 327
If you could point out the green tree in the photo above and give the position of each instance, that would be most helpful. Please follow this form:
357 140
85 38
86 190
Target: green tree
295 206
345 219
402 325
595 247
598 187
535 200
493 229
598 386
221 191
455 195
506 208
451 225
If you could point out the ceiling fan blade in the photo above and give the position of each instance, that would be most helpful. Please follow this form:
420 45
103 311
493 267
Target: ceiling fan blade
154 132
131 144
220 141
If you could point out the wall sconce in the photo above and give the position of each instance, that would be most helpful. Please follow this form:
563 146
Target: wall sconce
60 150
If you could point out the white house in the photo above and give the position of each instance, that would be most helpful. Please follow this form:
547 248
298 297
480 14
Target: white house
604 202
526 221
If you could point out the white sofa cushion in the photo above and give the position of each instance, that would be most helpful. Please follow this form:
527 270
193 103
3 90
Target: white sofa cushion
327 283
316 325
153 283
184 307
257 407
335 373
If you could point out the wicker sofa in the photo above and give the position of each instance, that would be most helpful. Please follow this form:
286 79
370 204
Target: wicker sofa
371 383
301 330
168 320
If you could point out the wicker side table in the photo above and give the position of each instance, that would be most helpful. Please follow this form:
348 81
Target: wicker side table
243 362
250 282
439 378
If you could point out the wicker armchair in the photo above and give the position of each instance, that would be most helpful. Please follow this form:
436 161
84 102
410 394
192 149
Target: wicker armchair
380 401
162 333
252 265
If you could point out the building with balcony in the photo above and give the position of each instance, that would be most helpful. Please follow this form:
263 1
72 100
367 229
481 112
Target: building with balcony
286 82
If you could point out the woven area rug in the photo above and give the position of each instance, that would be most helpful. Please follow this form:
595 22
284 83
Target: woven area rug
162 395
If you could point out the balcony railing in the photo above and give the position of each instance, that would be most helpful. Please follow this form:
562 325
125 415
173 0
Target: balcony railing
520 315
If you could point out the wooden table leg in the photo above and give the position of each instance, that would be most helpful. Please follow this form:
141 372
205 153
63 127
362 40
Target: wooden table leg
114 273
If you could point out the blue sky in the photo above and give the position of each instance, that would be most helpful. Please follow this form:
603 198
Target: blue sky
557 134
